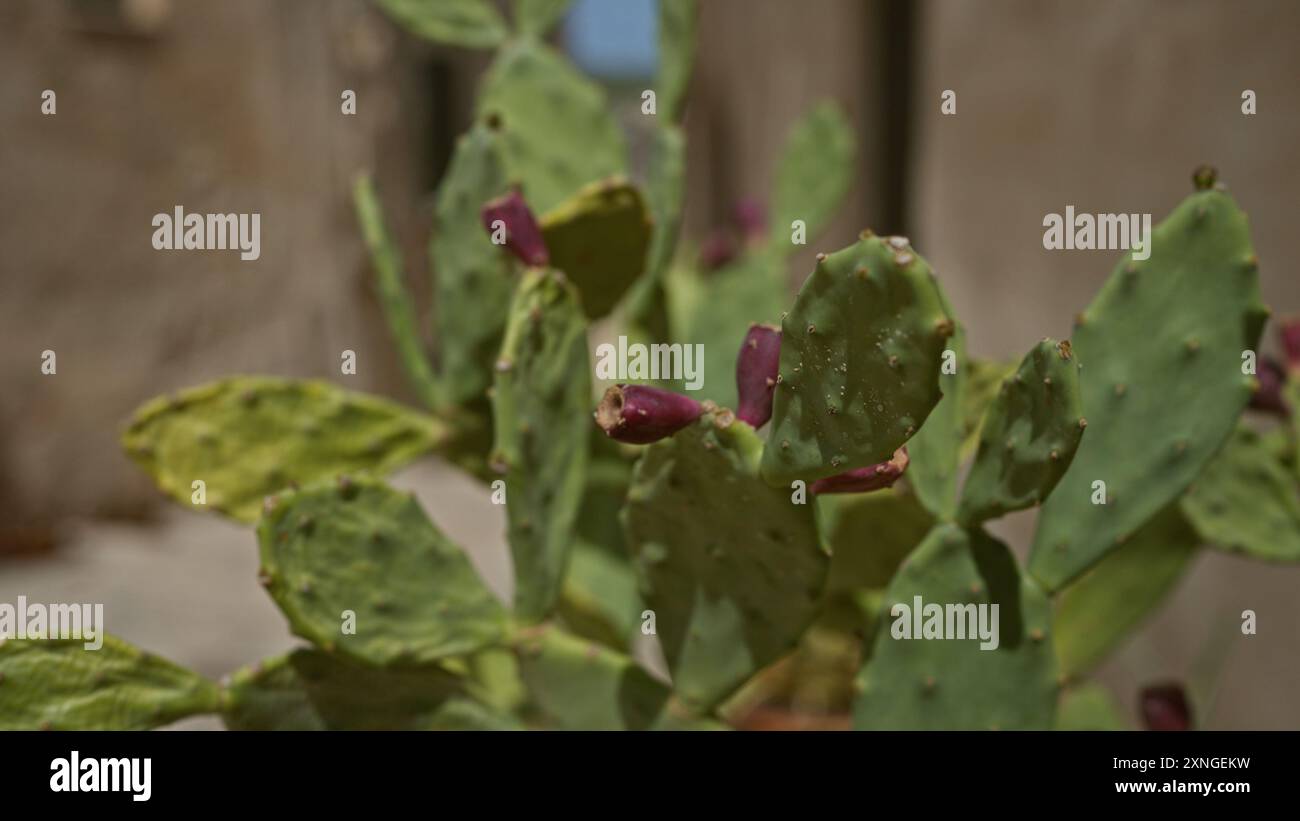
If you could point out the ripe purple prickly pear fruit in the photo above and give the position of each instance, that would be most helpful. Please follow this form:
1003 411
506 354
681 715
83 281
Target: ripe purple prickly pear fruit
523 236
862 480
1165 707
1269 397
751 219
1289 331
640 414
757 366
718 249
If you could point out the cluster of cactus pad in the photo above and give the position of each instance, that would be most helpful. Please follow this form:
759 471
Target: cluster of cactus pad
764 565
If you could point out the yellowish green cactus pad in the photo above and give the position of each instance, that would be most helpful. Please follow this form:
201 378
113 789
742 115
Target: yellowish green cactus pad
246 437
60 684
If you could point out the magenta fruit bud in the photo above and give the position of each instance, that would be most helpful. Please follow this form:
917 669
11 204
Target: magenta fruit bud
862 480
1269 397
1289 331
757 366
751 219
718 249
640 414
1164 707
523 237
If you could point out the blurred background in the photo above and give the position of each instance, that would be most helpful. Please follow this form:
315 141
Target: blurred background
234 106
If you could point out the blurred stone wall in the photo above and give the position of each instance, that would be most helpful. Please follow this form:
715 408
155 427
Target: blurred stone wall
229 106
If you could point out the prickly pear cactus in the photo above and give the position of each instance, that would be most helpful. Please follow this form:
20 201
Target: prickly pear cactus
540 403
359 547
646 310
268 695
983 380
469 23
814 172
1101 609
1088 706
869 535
584 686
57 684
716 309
936 450
599 238
1246 501
249 436
715 313
732 570
558 133
534 18
472 277
676 56
393 295
1029 436
860 357
918 683
351 696
1162 348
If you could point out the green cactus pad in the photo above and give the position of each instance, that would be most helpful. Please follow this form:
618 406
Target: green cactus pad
559 132
58 684
1088 707
600 599
1247 501
860 358
351 696
472 277
542 414
1291 392
1162 383
268 695
676 56
468 23
599 238
246 437
358 545
869 535
814 172
646 311
536 17
732 568
952 684
716 311
581 685
1097 612
1029 435
981 386
936 449
393 296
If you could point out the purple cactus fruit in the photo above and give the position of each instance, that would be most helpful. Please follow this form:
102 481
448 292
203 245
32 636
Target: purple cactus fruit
862 480
1165 707
523 237
1289 331
1269 397
751 219
718 249
640 414
757 365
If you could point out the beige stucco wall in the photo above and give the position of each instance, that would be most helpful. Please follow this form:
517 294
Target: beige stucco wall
228 107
